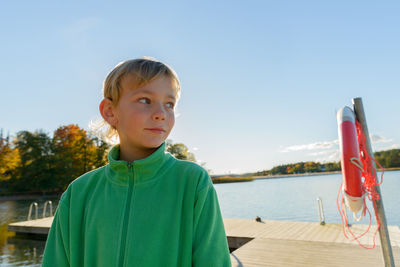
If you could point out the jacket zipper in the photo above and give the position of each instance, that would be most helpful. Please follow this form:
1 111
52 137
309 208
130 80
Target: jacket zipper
127 214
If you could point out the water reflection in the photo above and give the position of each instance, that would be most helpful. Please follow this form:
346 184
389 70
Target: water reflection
20 250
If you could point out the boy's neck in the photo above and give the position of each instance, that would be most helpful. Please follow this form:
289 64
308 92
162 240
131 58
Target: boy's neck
132 154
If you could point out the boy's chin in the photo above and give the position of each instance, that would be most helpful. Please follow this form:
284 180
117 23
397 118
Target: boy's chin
144 144
153 145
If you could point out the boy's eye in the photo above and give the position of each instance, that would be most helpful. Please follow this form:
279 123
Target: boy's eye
144 100
170 104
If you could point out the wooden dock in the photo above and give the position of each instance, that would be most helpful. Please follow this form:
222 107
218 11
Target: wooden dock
282 243
39 226
287 243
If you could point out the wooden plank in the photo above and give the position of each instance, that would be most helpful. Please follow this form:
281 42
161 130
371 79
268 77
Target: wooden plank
282 243
277 252
307 231
39 226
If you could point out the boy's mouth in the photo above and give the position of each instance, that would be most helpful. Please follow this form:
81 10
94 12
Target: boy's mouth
155 130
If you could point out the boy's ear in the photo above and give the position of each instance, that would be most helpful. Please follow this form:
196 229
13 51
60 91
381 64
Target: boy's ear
107 112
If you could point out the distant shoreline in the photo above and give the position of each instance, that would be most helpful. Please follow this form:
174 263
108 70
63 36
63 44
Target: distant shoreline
279 176
28 196
310 174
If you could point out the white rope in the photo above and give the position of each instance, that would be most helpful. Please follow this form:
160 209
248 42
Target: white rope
358 218
357 163
347 197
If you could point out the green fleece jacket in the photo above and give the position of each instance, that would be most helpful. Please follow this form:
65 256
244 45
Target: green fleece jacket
157 211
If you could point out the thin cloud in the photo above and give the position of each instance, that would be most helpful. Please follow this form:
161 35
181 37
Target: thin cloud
394 146
312 146
325 152
323 145
335 156
379 139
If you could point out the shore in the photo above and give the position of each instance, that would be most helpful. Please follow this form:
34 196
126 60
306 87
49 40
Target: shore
234 178
310 174
231 179
294 175
223 179
28 196
315 173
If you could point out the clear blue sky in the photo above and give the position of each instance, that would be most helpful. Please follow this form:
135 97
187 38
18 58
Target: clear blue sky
261 80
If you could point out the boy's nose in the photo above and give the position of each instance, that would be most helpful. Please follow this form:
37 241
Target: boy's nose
159 114
158 117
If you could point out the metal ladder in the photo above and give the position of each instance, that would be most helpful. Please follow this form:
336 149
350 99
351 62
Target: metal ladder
321 211
34 204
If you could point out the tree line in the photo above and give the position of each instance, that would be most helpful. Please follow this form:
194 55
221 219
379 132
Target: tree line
34 162
387 158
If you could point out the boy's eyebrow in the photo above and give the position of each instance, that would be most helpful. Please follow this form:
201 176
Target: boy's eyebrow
151 93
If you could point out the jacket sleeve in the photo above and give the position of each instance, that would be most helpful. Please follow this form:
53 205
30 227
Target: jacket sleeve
56 252
210 246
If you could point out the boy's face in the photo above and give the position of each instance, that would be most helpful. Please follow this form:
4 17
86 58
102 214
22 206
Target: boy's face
145 116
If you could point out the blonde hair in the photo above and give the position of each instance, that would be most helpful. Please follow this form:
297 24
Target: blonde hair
145 70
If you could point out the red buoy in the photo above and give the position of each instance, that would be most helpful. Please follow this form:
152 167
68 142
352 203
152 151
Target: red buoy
350 156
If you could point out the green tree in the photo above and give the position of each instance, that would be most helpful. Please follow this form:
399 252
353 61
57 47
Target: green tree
180 151
388 158
280 169
332 166
36 169
102 149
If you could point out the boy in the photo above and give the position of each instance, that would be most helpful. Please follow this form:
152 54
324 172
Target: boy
144 208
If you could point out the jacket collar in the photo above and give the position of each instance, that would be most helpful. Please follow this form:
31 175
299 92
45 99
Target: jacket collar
139 171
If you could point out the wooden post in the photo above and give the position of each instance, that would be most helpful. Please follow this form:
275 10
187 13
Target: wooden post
378 203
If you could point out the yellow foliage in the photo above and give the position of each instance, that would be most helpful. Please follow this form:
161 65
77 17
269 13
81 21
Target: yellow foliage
9 160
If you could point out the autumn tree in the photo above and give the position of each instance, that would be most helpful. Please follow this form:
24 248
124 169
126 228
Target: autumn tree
289 169
9 158
75 154
298 167
311 167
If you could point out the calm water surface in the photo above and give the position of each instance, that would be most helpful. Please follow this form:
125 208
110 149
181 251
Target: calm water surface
274 199
294 199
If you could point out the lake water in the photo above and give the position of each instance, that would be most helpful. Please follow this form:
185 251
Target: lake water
294 199
272 199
